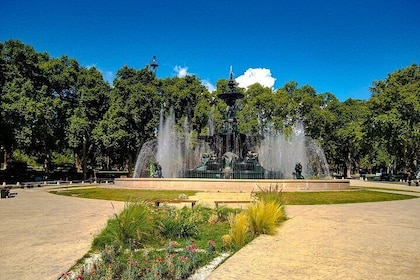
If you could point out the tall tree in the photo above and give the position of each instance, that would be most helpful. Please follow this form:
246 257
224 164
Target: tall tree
395 117
350 134
92 97
61 79
182 95
26 107
131 118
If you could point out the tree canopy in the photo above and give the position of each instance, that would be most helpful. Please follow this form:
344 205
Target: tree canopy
54 111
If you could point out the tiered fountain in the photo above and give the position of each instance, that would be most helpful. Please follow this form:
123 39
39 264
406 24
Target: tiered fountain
230 160
233 154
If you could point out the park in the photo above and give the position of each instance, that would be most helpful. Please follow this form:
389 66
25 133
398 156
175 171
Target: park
71 173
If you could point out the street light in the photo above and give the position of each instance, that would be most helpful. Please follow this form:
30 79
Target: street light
3 150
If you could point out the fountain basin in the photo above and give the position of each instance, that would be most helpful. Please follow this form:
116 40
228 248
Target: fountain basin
230 185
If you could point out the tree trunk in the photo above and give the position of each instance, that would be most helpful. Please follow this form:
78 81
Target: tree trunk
348 165
84 159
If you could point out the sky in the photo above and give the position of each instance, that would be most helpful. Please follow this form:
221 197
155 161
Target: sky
340 46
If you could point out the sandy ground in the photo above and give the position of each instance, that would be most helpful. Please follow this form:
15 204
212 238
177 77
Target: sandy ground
42 235
378 240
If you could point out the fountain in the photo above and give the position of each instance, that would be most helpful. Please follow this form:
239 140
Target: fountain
237 159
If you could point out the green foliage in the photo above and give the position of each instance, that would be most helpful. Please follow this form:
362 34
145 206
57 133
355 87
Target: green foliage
134 226
20 156
50 105
395 117
222 213
65 158
182 223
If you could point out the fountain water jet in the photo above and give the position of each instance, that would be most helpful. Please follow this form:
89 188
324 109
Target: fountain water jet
169 154
231 154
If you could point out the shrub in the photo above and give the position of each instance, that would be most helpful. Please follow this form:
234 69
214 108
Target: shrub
135 226
273 194
227 240
182 223
239 224
264 217
220 214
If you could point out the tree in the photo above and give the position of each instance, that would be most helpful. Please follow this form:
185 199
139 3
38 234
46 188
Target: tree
260 108
182 95
61 78
131 118
395 117
26 108
349 134
92 97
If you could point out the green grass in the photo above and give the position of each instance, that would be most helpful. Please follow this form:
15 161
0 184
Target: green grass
338 197
387 189
290 198
124 194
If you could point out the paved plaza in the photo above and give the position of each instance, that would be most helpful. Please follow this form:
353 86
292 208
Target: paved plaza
42 235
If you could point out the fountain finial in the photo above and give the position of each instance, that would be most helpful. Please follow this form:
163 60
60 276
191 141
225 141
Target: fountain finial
231 95
154 64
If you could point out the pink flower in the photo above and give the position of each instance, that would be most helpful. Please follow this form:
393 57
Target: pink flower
212 243
183 259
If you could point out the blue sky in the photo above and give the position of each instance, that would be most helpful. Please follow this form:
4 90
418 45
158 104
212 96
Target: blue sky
335 46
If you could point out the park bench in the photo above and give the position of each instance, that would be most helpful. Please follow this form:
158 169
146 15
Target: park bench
416 182
159 201
217 202
5 192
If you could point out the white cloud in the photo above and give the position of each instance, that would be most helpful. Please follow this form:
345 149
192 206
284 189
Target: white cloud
181 72
210 87
256 75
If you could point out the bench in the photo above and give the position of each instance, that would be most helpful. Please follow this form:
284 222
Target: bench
5 192
159 201
217 202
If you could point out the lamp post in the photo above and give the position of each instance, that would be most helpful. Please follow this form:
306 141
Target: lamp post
3 150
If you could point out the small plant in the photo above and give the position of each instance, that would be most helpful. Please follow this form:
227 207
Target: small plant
211 249
182 223
133 227
273 194
239 224
221 214
270 194
227 240
214 219
264 217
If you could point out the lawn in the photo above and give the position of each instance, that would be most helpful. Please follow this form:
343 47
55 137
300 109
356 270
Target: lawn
339 197
290 198
127 195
